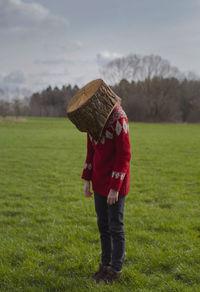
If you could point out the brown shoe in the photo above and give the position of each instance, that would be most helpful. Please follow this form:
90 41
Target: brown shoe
112 275
100 274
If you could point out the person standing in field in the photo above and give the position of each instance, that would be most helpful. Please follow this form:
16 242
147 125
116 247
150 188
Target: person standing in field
97 110
107 166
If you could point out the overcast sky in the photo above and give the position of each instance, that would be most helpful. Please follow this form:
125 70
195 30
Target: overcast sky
56 42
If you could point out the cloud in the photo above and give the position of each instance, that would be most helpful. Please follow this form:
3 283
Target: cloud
105 57
56 61
15 78
77 61
13 85
52 76
63 46
20 17
54 71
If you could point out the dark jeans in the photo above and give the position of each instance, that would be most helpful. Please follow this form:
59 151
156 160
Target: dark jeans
111 228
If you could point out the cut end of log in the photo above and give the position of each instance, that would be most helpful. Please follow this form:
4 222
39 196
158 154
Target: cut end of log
83 95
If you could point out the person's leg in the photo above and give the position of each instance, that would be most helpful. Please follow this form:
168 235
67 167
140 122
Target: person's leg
116 226
101 208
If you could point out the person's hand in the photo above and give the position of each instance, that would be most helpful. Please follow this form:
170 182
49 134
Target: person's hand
87 189
112 197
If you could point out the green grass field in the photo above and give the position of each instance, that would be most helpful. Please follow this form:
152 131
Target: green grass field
48 234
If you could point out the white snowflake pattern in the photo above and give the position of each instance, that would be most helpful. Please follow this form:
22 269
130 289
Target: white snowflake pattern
125 126
109 135
122 176
117 175
88 165
118 128
117 114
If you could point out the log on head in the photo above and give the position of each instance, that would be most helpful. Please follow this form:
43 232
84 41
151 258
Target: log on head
91 107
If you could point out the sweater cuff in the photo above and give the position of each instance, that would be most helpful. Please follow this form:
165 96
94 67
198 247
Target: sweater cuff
117 180
87 171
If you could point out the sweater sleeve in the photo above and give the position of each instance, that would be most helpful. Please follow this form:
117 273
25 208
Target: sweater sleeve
87 170
122 155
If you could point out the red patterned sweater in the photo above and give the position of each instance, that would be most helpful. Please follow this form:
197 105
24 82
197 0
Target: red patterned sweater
107 162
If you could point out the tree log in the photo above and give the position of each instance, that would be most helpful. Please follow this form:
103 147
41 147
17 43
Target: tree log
91 107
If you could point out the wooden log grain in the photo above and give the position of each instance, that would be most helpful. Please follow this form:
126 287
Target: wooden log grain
90 108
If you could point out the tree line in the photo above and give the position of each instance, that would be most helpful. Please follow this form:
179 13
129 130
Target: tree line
151 90
51 102
160 100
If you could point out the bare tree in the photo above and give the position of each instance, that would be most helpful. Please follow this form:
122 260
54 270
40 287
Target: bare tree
117 70
134 68
154 66
192 76
4 108
16 107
